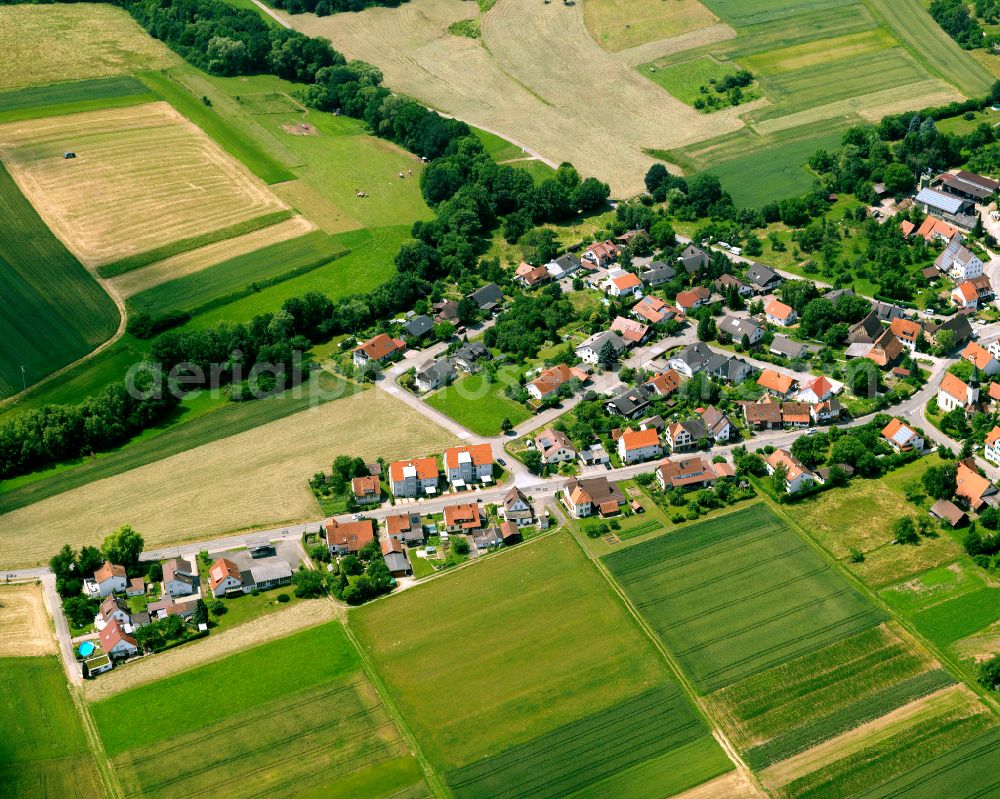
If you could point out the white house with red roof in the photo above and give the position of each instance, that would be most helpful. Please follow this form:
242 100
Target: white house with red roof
778 313
472 463
965 295
467 517
224 578
366 490
980 357
623 284
633 331
654 310
115 642
346 538
956 393
797 476
555 446
818 390
991 449
377 349
109 579
636 446
688 300
902 437
602 253
414 477
550 380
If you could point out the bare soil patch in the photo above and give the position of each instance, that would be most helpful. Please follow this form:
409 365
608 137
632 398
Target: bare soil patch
143 176
734 785
299 129
25 630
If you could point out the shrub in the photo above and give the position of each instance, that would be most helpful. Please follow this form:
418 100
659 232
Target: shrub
283 598
218 608
857 556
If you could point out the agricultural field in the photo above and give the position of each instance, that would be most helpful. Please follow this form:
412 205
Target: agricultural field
143 177
325 733
73 97
684 80
534 732
622 24
250 479
478 403
25 630
82 40
52 311
43 749
687 585
861 515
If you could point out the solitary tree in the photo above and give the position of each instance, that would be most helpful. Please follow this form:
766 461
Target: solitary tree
608 356
123 546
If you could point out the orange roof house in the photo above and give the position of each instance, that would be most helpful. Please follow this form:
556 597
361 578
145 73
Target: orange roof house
978 355
221 569
954 387
349 537
907 331
630 329
775 382
553 378
665 383
108 570
481 454
632 440
463 517
934 228
776 310
972 486
626 282
965 295
886 349
654 310
426 469
378 348
365 488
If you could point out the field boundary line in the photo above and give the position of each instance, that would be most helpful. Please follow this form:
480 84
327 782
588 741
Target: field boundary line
104 766
434 780
699 701
943 657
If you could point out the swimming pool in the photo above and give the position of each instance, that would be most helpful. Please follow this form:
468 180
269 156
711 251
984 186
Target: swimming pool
86 649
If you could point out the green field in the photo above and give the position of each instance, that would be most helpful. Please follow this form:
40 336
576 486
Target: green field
739 594
192 243
742 13
71 98
52 311
43 750
782 711
684 80
241 276
561 660
970 771
956 618
324 732
478 403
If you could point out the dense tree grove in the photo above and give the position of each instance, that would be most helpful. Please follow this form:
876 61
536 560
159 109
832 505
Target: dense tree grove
324 7
954 17
531 320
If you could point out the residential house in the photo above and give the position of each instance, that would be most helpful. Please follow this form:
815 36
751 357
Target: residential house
517 508
958 261
414 477
433 375
110 578
817 390
729 368
865 331
262 576
991 448
984 360
563 266
445 311
654 310
764 415
949 512
931 229
776 383
685 435
471 463
469 354
378 350
590 350
693 259
968 185
964 295
585 496
959 326
623 284
530 276
395 558
736 328
784 346
179 578
602 253
487 538
510 533
665 383
763 279
116 643
405 528
972 487
463 518
902 437
718 426
224 578
692 472
346 538
956 393
113 608
658 273
688 300
554 446
956 210
136 587
886 311
777 313
829 411
632 402
908 332
632 331
795 414
726 282
636 446
594 455
691 360
653 423
366 490
548 383
797 476
886 350
833 295
418 327
487 298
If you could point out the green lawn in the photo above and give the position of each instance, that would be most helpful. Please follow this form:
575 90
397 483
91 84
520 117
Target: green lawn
739 594
51 310
686 79
43 750
520 617
478 404
71 98
247 607
313 726
948 621
241 276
